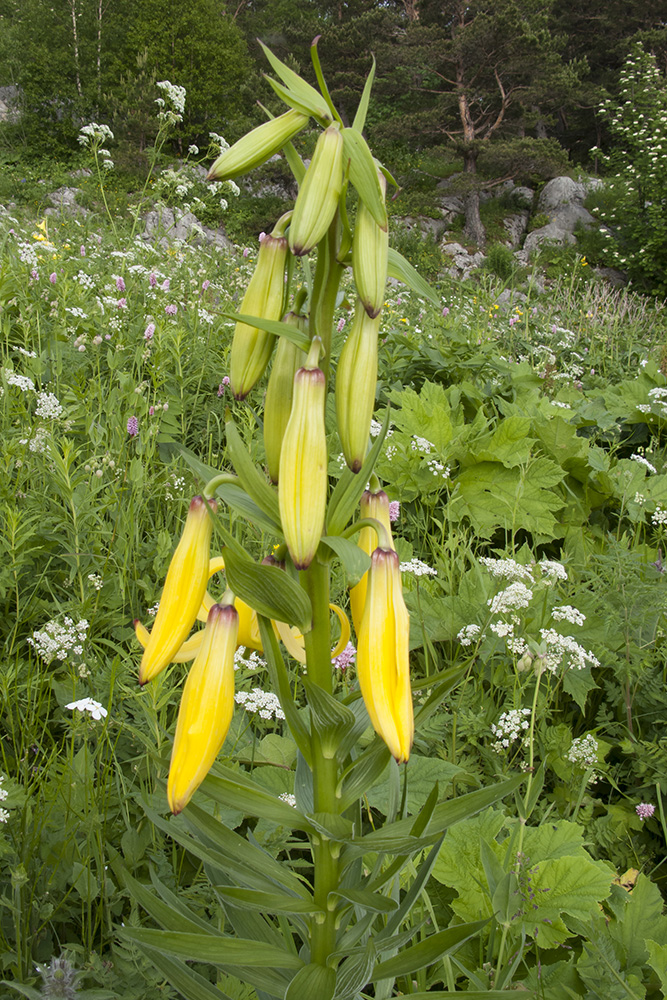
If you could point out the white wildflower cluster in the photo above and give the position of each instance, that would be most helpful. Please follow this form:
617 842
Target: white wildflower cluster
56 641
26 354
439 470
48 406
93 134
659 516
552 571
175 95
265 703
563 649
517 595
22 382
643 461
289 798
4 814
218 141
566 613
39 441
175 487
469 634
516 645
90 706
417 568
85 280
96 581
76 312
584 751
251 660
503 629
28 254
506 569
510 726
376 427
421 445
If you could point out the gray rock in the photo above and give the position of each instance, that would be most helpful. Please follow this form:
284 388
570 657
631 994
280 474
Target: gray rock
463 262
614 277
552 233
523 196
559 192
509 296
427 226
516 225
64 200
451 206
83 172
570 216
171 224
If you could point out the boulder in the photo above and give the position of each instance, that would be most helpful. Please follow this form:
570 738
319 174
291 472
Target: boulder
427 226
516 225
169 224
64 200
559 193
463 263
552 233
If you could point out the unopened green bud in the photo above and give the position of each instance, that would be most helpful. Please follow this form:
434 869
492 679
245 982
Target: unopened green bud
257 146
356 380
319 193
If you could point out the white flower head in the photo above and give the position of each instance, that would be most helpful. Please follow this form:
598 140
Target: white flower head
89 705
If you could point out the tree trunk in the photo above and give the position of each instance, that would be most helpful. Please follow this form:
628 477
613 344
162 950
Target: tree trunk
75 34
473 228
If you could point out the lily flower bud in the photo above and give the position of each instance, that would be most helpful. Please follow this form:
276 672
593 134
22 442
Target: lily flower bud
383 651
356 380
278 403
302 484
370 253
251 347
183 591
372 505
257 146
319 193
206 708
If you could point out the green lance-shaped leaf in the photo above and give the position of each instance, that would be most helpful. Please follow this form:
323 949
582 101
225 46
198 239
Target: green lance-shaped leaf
213 948
269 590
316 981
281 685
252 480
267 902
362 773
426 952
346 495
185 980
234 789
362 110
367 900
170 918
476 995
412 895
364 174
308 98
335 721
274 326
354 972
400 269
354 560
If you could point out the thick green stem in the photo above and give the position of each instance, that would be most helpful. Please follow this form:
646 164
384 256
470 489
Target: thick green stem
325 770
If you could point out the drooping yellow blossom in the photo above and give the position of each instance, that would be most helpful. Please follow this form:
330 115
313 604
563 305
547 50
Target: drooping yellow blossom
372 505
206 708
183 591
383 651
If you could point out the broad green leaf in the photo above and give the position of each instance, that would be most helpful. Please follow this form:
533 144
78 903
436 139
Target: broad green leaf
422 773
274 326
302 90
316 981
362 109
188 982
460 866
269 590
281 685
252 480
579 683
347 492
566 886
400 269
492 496
354 560
333 826
560 839
508 443
657 959
267 902
642 919
475 995
26 991
431 950
364 174
217 950
277 750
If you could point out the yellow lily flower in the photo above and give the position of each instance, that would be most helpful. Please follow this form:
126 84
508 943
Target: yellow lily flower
383 652
206 708
183 592
372 505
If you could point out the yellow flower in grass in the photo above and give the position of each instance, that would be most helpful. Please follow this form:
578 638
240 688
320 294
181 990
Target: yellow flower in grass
383 651
183 592
206 708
